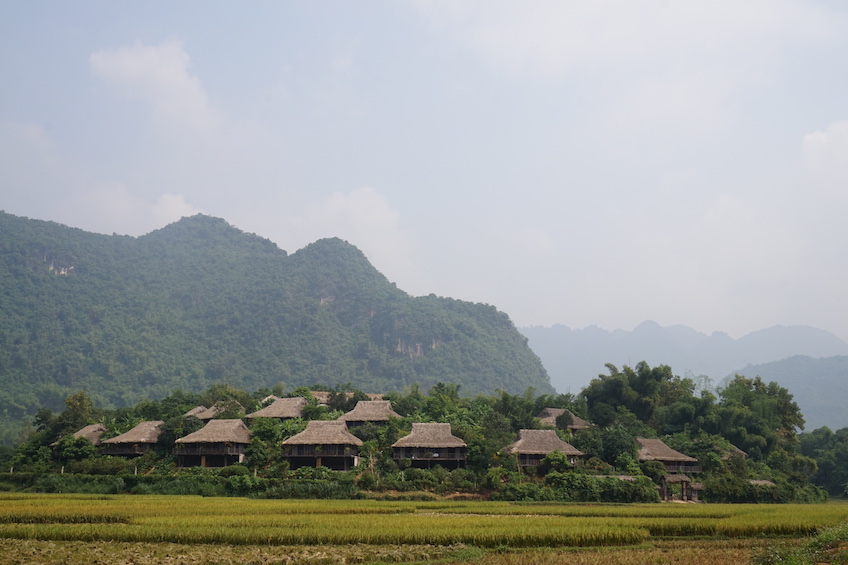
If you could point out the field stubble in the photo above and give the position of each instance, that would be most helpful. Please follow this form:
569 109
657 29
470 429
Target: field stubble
68 529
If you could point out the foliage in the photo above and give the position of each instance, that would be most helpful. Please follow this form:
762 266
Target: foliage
828 546
830 451
200 304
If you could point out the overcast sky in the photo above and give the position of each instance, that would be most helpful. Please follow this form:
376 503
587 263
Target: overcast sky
583 163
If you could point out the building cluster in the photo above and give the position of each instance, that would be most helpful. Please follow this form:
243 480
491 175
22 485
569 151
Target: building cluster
329 443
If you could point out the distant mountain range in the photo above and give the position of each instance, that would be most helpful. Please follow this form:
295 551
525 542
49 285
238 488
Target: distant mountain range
820 386
575 357
200 302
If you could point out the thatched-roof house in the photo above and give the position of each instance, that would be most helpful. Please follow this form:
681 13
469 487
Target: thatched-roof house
669 489
91 432
674 461
548 417
430 444
137 441
533 445
195 411
282 409
323 396
218 408
376 411
218 444
323 443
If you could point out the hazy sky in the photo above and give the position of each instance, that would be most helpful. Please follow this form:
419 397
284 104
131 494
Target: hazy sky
568 162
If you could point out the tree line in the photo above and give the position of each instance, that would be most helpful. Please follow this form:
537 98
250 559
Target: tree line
746 436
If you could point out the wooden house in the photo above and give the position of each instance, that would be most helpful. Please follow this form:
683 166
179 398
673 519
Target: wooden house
674 461
282 409
675 484
323 396
686 492
533 445
218 444
374 411
431 444
91 432
548 418
137 441
325 443
195 411
218 408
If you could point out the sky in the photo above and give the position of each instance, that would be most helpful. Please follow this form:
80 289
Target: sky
579 163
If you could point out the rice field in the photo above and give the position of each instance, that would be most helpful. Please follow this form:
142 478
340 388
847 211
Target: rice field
320 531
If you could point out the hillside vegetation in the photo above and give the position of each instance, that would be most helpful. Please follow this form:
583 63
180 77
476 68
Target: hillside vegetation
810 362
818 385
200 302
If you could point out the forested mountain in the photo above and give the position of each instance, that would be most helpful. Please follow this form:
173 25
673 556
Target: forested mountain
574 357
200 302
820 386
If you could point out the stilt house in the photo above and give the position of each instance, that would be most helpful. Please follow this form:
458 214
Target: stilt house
282 409
218 444
91 432
137 441
548 417
533 445
431 444
374 411
325 443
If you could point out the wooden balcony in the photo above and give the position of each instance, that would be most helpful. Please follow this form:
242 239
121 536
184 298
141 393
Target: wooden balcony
126 449
208 449
418 454
320 451
682 468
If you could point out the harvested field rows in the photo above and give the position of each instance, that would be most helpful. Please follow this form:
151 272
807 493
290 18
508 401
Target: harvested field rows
436 529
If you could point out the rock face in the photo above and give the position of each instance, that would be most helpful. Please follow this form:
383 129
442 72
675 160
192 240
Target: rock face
200 302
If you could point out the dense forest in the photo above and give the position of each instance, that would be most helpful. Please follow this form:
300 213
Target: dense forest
745 438
200 303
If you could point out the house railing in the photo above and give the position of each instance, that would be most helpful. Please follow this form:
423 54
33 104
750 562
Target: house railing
533 460
450 454
682 468
320 451
126 449
208 449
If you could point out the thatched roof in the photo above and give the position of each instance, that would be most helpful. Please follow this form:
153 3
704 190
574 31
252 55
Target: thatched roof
733 452
91 432
323 396
761 483
282 408
676 479
219 431
430 435
219 407
548 417
370 411
324 432
541 442
656 450
145 432
195 411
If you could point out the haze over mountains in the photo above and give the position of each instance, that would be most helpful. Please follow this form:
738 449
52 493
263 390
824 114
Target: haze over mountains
575 357
200 302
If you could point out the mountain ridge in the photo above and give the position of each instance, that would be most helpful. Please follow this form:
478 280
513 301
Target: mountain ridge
574 357
684 349
200 302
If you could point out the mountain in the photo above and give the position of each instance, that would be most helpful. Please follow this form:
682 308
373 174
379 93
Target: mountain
575 357
819 386
200 302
